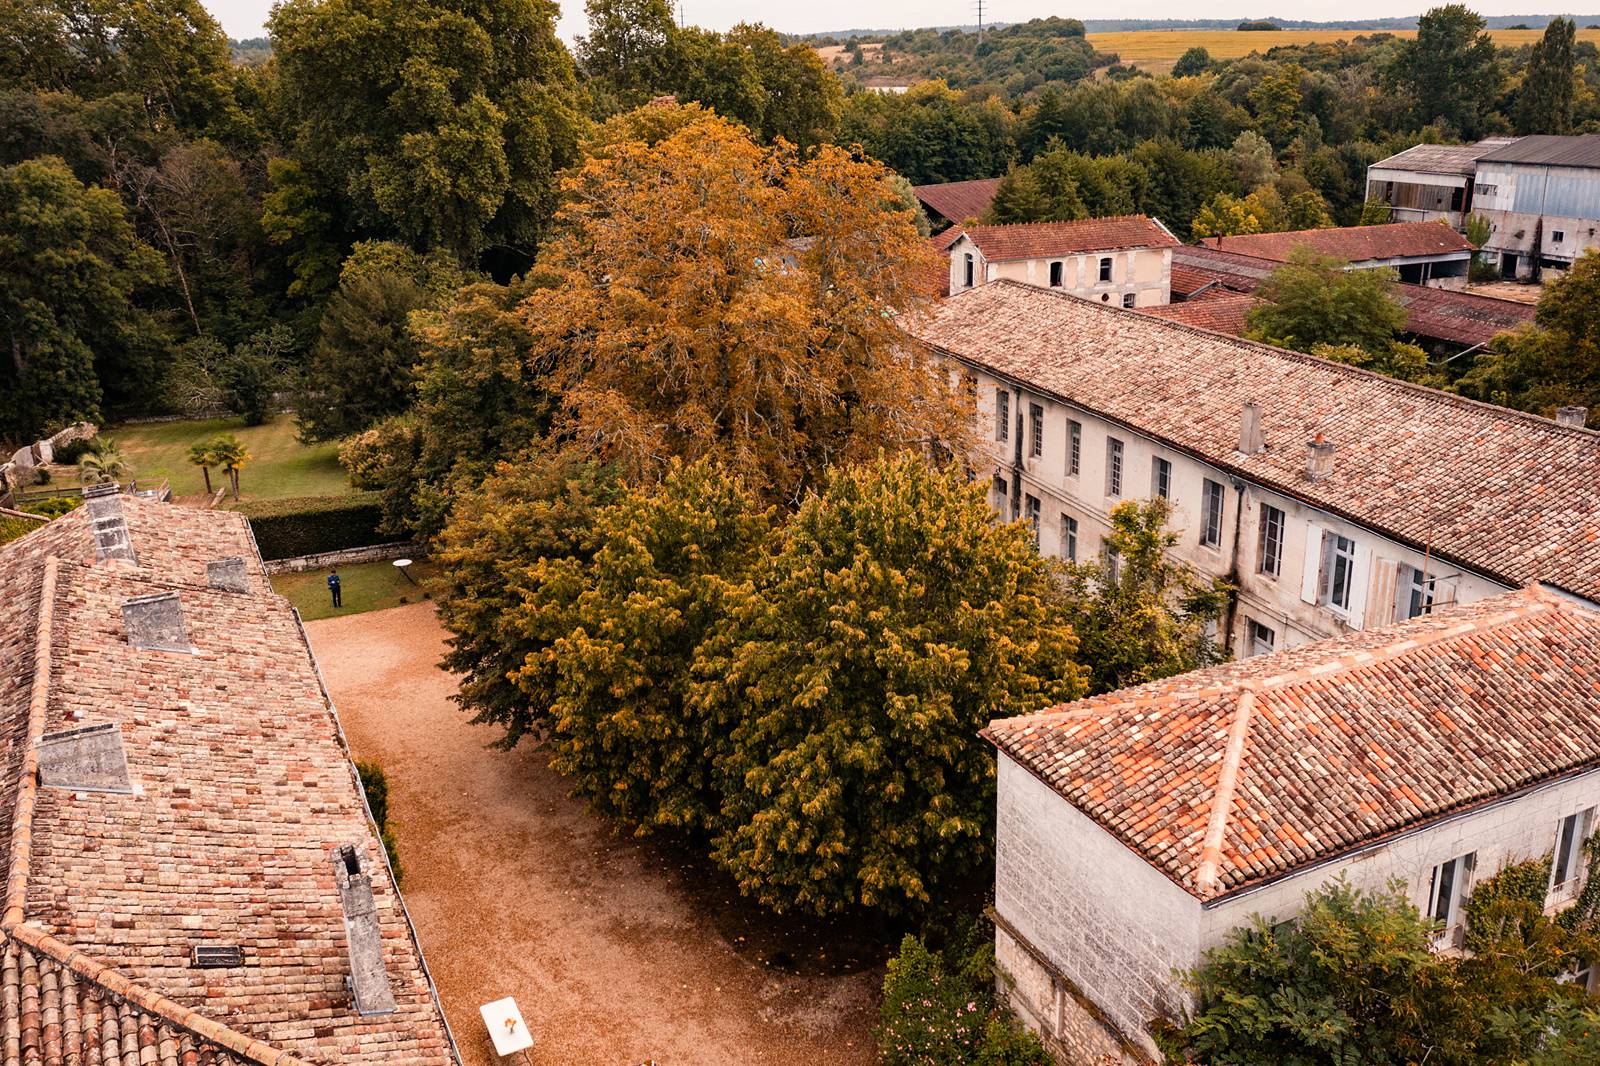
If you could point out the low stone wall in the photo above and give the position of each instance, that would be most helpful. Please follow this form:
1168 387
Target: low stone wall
19 471
347 557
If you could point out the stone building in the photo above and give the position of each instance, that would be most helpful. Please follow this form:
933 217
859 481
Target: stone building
1124 260
194 876
1421 253
1135 830
1335 499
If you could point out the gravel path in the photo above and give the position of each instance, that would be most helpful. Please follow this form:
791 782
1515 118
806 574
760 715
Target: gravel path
616 953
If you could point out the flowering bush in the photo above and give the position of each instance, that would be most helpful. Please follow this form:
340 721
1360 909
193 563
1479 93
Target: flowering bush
939 1010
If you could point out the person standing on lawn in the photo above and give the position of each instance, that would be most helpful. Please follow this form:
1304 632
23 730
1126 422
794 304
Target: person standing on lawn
333 587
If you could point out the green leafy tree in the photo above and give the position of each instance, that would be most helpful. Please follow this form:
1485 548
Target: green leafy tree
1139 614
1450 69
894 619
103 465
1544 103
441 123
1375 213
362 368
1312 300
1397 359
1193 61
1555 362
230 453
246 379
70 268
629 44
528 513
1276 100
1225 215
1352 981
671 556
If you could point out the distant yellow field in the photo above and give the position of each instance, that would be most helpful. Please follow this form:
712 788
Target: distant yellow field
1157 50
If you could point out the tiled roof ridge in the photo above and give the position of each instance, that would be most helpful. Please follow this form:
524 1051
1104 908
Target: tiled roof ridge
1135 217
1205 877
14 925
1290 355
1544 601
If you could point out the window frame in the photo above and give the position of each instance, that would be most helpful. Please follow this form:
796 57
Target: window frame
1032 510
1115 456
1002 415
1270 536
1058 273
1253 630
1449 885
1074 447
1566 862
1128 299
1213 507
1335 558
1106 268
1036 430
970 271
1069 538
1161 477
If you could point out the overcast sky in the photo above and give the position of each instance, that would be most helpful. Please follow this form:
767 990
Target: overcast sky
245 18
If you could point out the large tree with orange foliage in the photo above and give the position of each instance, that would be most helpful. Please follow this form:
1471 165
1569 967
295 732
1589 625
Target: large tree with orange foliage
708 297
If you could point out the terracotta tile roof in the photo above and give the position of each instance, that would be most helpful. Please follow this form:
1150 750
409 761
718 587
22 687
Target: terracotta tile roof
1037 240
1187 280
1443 314
943 241
1214 309
1230 776
1353 244
245 787
1429 469
958 200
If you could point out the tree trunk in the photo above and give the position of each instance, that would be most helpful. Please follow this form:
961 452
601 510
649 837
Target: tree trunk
206 470
233 475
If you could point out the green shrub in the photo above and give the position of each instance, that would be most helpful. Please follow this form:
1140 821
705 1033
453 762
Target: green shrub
310 525
54 506
375 783
12 528
939 1009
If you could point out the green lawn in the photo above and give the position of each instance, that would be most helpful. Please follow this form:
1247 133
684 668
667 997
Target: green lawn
366 587
279 465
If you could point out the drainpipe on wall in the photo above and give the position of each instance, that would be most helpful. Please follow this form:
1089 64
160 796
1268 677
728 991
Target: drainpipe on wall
1231 615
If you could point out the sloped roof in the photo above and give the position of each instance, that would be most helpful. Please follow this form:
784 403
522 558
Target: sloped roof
1038 240
1426 468
1459 160
245 788
1550 150
1351 244
1214 309
1444 314
958 200
1230 776
942 241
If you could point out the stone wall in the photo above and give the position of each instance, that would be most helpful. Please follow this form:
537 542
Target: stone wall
347 557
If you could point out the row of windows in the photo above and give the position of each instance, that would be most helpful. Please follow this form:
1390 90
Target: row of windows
1336 579
1056 271
1451 881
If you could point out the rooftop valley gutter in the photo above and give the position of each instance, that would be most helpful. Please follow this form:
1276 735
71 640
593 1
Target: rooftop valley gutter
1505 582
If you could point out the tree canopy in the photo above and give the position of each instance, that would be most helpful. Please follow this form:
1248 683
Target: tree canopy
1312 300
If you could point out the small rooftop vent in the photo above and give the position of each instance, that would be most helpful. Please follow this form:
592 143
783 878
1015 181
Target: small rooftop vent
1251 438
369 981
110 524
87 759
156 622
1572 416
231 574
216 956
1319 459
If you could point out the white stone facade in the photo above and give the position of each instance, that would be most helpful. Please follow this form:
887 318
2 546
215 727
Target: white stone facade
1091 937
1293 604
1140 275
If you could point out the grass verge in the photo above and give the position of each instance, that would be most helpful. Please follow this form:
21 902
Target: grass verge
366 587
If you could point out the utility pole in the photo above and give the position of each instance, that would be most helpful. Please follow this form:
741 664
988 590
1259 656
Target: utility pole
979 5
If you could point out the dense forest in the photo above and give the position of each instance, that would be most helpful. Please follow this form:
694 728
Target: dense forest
189 222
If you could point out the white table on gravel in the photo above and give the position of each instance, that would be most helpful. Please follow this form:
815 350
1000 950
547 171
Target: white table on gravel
506 1027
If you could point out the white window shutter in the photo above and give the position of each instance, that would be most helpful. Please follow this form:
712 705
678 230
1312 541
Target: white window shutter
1383 604
1360 584
1311 569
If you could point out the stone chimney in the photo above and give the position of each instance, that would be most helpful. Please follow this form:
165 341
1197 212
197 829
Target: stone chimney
1572 416
156 622
1319 459
1251 439
369 981
110 524
230 575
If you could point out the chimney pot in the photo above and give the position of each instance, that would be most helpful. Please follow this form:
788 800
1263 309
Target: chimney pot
1575 417
1319 459
1251 439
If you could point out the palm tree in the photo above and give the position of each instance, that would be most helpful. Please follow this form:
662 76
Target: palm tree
200 455
229 453
103 464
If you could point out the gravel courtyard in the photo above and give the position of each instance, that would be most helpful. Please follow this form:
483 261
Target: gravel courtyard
617 952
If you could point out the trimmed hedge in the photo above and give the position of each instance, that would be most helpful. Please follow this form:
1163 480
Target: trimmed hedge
310 525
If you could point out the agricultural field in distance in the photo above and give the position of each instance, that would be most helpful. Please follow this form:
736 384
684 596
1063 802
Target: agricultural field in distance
1157 50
